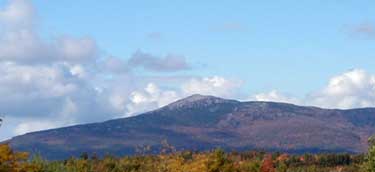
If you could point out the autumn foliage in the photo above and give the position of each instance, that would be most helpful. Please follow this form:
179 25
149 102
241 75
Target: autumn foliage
267 164
14 161
185 161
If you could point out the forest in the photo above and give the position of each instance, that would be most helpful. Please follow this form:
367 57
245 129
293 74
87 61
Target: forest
170 160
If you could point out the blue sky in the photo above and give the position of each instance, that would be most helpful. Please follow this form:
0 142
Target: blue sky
70 62
270 45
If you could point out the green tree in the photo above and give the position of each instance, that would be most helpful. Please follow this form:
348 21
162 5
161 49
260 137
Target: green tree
219 162
369 164
281 167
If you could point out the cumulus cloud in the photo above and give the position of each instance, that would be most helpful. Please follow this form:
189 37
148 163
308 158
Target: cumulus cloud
48 80
165 64
65 81
36 50
355 88
114 65
21 43
275 96
17 33
17 15
77 49
31 126
352 89
44 80
152 96
216 86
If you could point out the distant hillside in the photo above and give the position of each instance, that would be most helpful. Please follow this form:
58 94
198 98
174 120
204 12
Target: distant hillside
205 122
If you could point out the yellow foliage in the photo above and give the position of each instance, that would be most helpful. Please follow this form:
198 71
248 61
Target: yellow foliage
14 161
177 163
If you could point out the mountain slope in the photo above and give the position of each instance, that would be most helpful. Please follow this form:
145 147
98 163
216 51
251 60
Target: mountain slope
205 122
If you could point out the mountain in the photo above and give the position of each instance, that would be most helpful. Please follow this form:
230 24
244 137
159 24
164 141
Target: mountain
205 122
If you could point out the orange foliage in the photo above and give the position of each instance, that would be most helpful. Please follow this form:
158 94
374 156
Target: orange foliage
267 164
283 157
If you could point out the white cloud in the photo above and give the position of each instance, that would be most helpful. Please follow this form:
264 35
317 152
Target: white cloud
355 88
31 81
275 96
152 96
352 89
169 63
77 49
26 127
36 50
21 43
18 14
216 86
33 49
114 65
45 79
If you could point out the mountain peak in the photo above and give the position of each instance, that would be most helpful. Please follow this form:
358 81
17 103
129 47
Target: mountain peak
197 97
201 122
200 100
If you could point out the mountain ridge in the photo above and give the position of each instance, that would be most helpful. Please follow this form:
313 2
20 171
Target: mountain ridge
201 122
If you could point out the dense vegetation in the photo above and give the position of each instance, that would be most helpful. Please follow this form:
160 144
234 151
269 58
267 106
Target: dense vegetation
169 160
212 161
